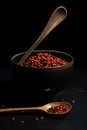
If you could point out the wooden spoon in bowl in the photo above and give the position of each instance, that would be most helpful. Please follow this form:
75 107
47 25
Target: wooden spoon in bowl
58 15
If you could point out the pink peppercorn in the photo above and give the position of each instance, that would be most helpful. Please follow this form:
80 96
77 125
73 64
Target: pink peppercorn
45 60
73 101
57 109
22 121
36 118
41 117
13 118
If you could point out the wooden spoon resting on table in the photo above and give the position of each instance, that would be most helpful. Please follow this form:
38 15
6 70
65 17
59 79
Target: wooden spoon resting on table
55 108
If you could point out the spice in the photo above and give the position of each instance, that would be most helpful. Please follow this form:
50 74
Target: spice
22 121
44 60
41 117
36 118
73 101
13 118
57 109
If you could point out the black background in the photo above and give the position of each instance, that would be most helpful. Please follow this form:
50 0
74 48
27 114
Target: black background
23 22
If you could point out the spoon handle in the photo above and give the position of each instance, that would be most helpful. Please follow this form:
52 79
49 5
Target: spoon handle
56 18
19 109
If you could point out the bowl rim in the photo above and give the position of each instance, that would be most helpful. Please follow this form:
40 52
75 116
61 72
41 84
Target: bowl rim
58 67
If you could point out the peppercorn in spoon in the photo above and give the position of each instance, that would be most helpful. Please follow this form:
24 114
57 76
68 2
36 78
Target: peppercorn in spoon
55 108
58 15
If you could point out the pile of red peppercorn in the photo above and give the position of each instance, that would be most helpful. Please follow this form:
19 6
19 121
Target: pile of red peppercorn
44 60
57 109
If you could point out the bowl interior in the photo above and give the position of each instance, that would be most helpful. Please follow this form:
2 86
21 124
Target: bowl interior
15 59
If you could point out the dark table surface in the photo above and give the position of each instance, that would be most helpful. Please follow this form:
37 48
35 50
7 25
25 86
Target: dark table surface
76 94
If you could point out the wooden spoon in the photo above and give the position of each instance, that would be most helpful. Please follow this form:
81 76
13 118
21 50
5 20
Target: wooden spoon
46 108
58 15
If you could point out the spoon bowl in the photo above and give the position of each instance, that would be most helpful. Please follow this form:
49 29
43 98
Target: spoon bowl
54 108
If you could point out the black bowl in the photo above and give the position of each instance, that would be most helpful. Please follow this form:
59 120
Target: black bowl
42 81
